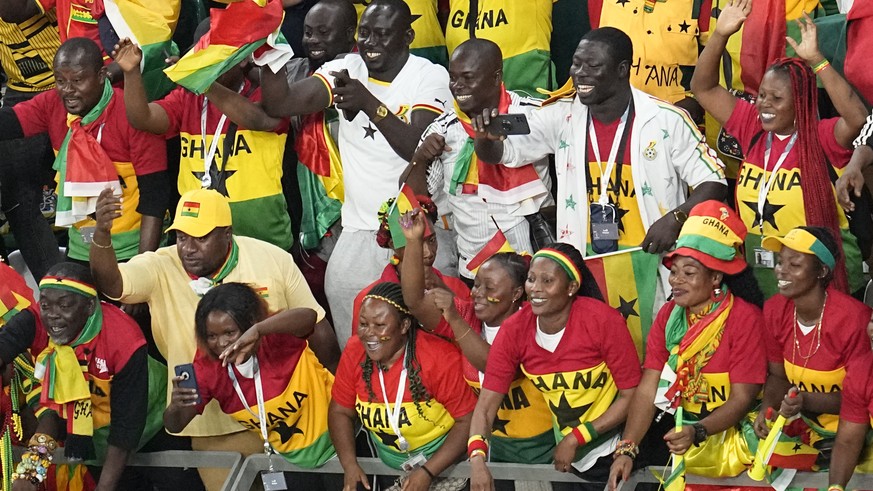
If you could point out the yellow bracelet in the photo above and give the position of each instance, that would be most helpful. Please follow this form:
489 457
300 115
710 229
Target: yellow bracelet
821 66
477 453
99 246
462 335
477 438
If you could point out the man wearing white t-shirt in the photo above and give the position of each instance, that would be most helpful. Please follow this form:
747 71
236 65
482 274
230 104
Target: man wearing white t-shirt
387 98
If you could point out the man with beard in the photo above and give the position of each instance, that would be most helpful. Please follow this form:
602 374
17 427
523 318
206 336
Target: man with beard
624 163
478 194
387 98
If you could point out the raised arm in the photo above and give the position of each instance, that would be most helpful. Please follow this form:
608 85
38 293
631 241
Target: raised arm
141 114
851 108
412 271
104 264
705 81
245 113
303 97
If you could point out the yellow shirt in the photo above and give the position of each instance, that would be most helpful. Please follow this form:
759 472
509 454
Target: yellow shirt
27 51
159 279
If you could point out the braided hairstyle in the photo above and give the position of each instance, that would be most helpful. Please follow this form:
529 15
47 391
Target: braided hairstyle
383 234
238 300
818 192
392 294
589 287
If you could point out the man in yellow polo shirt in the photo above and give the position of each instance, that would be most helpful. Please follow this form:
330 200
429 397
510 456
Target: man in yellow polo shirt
172 280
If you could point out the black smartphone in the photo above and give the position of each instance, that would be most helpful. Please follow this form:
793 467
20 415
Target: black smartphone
509 124
338 82
189 381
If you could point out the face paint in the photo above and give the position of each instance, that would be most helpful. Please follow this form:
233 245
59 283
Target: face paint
492 300
384 338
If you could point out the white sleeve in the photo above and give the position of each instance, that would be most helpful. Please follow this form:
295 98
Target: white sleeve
695 162
433 94
543 139
864 137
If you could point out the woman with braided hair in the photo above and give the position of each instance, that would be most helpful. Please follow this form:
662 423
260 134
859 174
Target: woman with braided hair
389 237
786 179
406 388
577 351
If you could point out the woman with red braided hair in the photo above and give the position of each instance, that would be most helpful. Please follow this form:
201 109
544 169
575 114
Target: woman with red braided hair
791 156
392 238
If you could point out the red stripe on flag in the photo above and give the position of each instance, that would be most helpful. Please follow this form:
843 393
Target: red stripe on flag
596 268
763 41
406 200
491 248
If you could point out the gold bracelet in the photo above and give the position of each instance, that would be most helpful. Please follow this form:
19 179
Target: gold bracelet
457 340
94 242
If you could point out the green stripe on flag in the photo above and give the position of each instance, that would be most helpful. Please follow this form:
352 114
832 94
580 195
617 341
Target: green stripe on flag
315 455
319 211
533 450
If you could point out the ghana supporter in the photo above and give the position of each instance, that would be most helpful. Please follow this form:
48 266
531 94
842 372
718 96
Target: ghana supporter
241 161
576 351
387 98
26 166
428 20
666 37
421 374
481 197
75 19
241 347
791 156
522 430
392 235
172 280
625 160
813 332
101 394
522 29
856 418
705 352
98 149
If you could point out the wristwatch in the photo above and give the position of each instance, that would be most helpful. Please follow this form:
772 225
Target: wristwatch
700 433
680 215
381 112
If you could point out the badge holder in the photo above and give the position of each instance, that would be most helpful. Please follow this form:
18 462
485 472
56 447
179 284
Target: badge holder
272 480
604 227
764 258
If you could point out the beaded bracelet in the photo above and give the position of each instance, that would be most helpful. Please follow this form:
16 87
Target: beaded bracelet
36 461
628 448
821 66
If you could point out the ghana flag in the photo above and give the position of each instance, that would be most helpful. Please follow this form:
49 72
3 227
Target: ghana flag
150 25
234 34
319 176
403 203
15 295
628 279
190 209
496 245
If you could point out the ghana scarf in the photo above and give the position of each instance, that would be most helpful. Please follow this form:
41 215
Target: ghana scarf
203 284
691 342
492 182
62 373
84 169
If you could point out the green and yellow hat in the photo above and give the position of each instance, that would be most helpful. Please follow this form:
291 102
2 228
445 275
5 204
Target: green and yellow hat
712 235
801 240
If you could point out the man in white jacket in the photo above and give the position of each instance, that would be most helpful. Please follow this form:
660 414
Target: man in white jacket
624 163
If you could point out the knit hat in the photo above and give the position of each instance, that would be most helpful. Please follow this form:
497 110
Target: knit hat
712 235
201 211
801 241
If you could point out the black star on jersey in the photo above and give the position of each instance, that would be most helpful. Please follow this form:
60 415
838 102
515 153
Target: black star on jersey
769 213
218 178
500 425
370 132
286 432
566 414
619 215
622 2
683 27
388 439
626 308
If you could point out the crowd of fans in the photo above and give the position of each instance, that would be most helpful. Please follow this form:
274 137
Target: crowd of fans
661 259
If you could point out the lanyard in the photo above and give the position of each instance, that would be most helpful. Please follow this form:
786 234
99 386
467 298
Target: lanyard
765 188
394 416
613 152
259 393
209 156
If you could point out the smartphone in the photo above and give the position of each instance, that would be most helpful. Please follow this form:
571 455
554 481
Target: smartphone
338 82
189 381
510 124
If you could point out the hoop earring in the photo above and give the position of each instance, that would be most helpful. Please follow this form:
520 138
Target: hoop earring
717 295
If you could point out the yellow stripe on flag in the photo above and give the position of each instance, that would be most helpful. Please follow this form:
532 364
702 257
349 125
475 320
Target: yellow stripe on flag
622 294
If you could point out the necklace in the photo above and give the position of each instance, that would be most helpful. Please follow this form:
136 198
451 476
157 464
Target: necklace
816 339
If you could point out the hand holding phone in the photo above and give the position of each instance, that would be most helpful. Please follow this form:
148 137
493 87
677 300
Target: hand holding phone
185 391
509 124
